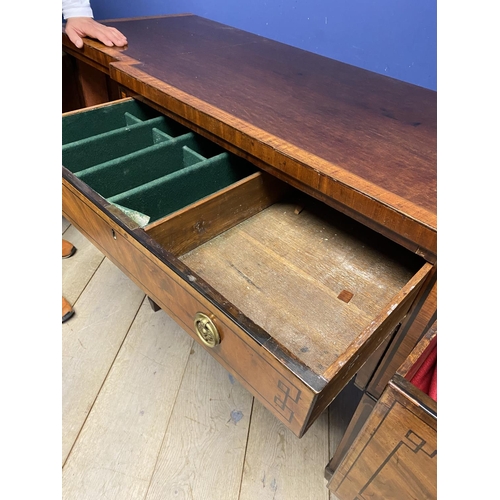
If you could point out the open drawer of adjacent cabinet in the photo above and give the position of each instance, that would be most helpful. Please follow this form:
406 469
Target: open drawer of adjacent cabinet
288 294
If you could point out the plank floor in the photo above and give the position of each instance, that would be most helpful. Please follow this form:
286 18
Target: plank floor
148 414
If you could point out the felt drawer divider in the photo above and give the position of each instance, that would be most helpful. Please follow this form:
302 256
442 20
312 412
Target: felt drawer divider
138 168
100 120
78 156
178 189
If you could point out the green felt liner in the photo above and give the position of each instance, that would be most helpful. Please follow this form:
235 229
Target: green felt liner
78 126
178 189
131 119
140 159
141 167
79 155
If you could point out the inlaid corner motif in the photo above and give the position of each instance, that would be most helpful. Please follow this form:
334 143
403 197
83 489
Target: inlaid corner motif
411 441
287 394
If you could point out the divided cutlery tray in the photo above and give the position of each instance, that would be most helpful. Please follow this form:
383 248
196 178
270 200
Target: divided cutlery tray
288 294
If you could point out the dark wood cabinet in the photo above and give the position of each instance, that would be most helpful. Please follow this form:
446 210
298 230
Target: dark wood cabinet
290 201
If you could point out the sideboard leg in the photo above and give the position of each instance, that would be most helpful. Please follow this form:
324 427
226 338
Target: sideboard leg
360 416
153 305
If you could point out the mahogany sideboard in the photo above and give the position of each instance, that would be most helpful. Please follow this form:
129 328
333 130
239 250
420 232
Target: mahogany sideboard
290 199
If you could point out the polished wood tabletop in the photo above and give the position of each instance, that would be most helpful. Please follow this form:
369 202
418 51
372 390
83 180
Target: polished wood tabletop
359 139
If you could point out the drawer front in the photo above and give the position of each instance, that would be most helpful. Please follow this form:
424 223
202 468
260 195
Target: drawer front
395 454
287 397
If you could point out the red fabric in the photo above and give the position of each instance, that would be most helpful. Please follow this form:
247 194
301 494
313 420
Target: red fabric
426 377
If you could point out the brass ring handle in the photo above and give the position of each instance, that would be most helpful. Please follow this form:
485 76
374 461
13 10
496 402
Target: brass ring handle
206 330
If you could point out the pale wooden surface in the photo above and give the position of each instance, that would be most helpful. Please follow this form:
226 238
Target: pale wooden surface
257 263
148 414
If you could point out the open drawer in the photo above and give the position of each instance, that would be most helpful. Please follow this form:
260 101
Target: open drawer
288 294
394 456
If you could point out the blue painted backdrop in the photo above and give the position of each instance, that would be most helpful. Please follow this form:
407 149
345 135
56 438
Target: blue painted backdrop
396 38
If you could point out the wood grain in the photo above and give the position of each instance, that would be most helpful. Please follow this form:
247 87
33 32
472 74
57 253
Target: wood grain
258 368
411 398
364 142
400 219
419 354
395 455
285 272
378 171
416 323
365 344
366 372
212 416
127 478
370 313
273 452
116 452
351 117
196 224
254 359
90 342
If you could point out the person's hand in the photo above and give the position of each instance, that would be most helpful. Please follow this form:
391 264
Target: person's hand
79 27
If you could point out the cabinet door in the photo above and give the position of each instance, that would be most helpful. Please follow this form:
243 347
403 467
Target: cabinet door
395 454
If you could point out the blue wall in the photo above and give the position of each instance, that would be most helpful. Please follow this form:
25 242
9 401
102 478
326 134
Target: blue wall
396 38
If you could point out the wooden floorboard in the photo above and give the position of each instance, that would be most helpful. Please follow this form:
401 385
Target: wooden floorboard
204 448
148 413
278 466
91 341
117 450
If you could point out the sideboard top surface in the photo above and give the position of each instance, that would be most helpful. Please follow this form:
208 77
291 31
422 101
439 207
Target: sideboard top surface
374 134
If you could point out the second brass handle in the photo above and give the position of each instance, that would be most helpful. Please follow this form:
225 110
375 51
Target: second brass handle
206 330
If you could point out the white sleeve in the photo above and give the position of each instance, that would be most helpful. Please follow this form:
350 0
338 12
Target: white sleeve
76 8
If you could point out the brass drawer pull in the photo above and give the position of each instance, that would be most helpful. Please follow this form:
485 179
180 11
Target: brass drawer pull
206 330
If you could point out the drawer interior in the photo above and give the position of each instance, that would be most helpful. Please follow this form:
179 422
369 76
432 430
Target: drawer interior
310 276
143 161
